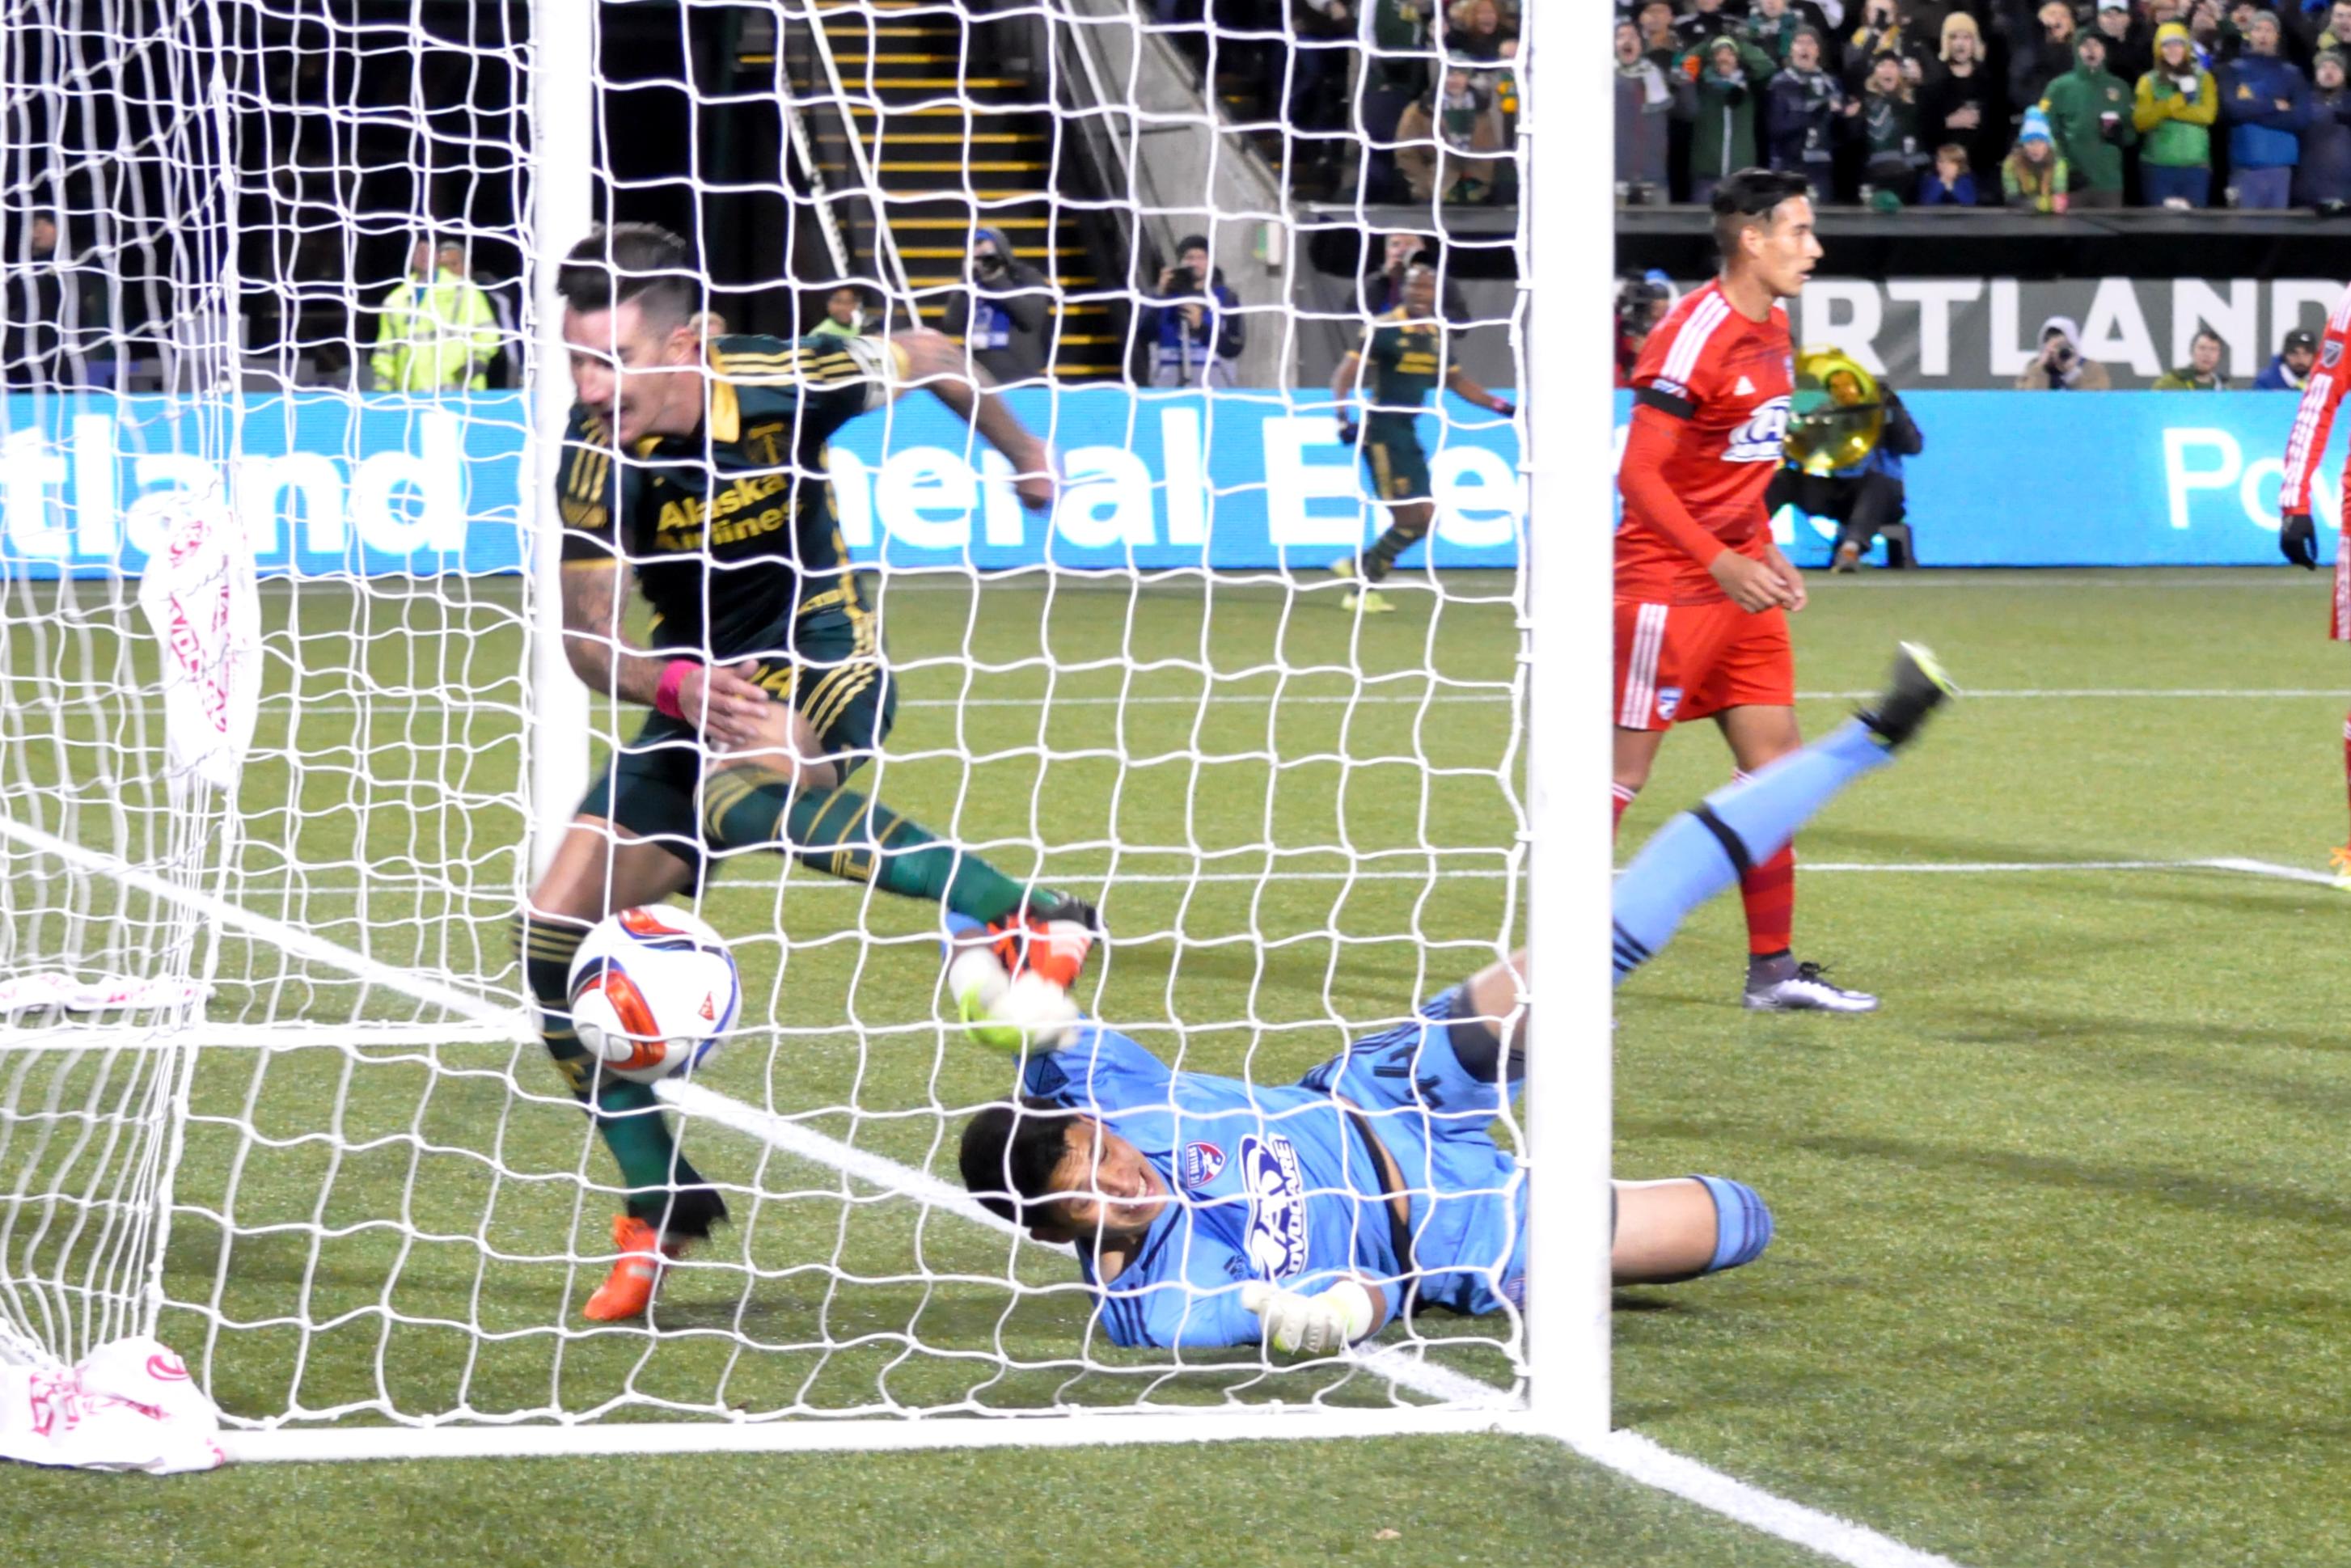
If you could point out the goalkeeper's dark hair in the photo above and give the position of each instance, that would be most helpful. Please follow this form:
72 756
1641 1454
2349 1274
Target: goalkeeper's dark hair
1748 199
643 262
1009 1154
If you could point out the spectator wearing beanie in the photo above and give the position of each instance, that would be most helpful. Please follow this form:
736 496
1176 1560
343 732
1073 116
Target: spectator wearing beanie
1803 107
2265 100
1646 98
2089 110
1963 100
2322 178
2039 50
2291 368
2174 108
1722 135
2034 175
2129 55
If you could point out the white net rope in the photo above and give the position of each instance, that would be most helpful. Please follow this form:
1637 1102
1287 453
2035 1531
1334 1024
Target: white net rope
1298 821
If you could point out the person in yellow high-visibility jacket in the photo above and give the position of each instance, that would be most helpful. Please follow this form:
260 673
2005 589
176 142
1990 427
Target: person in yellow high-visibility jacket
437 332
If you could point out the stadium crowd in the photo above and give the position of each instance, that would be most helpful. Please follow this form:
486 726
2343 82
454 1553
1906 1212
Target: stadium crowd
2037 105
1434 107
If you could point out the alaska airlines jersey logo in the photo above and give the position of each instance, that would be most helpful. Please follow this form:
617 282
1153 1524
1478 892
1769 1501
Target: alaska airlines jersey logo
1759 440
1277 1205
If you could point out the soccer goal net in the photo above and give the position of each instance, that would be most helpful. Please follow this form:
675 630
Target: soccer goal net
288 730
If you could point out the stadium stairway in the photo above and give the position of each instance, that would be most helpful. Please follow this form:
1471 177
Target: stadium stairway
959 144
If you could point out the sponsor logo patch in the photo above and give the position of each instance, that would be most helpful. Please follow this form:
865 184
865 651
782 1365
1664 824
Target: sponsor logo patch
1761 438
1199 1164
1668 699
1276 1244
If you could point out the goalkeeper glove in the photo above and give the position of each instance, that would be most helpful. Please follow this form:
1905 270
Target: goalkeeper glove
1349 432
2299 541
1312 1325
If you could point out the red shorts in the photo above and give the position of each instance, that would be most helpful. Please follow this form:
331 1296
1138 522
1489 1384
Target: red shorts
2338 619
1681 662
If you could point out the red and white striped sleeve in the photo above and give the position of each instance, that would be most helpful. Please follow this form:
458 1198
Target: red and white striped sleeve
2314 419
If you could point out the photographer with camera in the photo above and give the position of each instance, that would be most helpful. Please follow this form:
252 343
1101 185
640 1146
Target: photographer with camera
2060 367
1000 315
1196 337
1641 303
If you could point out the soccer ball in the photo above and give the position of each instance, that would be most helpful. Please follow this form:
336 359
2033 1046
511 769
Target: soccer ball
653 991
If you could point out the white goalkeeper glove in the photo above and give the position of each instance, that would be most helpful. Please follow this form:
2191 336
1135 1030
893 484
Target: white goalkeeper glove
1312 1325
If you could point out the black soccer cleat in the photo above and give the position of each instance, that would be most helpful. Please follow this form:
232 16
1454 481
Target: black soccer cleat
1916 687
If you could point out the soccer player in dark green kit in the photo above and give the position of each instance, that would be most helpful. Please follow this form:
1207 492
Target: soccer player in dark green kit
698 464
1406 354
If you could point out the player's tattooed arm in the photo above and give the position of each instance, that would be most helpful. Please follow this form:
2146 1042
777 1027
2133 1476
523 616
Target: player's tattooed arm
931 359
720 701
598 648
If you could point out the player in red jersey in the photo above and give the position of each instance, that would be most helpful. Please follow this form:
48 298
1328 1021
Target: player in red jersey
1702 594
2296 536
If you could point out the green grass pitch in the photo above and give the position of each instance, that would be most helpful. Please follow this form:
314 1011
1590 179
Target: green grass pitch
2058 1276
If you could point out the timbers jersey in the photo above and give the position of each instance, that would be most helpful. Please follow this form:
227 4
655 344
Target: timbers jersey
1729 381
731 530
1406 358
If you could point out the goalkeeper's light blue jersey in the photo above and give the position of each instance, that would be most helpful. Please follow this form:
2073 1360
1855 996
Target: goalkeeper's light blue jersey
1278 1183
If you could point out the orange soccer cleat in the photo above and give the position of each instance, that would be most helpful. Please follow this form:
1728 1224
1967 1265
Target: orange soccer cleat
2339 860
627 1290
1050 935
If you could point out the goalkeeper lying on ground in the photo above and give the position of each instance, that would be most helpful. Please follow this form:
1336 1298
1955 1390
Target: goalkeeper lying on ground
1209 1211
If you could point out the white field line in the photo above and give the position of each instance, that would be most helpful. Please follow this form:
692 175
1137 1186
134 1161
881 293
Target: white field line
1444 874
1631 1454
276 706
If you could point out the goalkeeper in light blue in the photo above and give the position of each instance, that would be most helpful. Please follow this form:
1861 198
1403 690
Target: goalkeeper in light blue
1207 1211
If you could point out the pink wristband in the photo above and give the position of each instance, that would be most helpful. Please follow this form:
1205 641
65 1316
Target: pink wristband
665 694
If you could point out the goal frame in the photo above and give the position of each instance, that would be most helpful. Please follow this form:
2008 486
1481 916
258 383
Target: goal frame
1566 466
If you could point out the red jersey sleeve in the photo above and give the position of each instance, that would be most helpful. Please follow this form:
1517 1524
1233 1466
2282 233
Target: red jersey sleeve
2314 419
1667 390
1667 376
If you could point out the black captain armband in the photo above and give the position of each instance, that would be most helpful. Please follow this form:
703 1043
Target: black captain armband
1665 397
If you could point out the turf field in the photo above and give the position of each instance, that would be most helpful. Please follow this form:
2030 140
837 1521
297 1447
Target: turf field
2057 1277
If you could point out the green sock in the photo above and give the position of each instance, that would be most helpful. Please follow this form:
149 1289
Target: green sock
662 1187
843 833
1380 559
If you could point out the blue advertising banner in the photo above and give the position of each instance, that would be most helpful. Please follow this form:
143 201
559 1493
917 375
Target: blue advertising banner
334 485
330 485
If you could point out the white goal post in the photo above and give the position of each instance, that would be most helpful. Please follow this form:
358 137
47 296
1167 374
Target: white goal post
271 1087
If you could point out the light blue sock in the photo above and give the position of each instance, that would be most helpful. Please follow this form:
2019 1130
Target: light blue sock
1742 1223
1700 852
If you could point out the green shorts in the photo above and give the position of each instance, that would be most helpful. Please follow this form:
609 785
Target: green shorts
838 680
1399 467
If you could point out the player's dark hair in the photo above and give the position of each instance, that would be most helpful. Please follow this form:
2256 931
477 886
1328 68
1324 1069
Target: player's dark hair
643 262
1748 199
1020 1145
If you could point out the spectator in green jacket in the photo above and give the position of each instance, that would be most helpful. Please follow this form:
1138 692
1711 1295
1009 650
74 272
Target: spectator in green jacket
2202 372
2174 109
1726 74
2034 175
1772 27
437 332
2090 112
